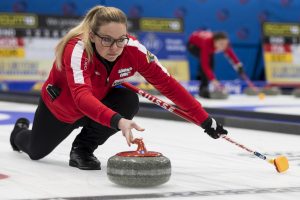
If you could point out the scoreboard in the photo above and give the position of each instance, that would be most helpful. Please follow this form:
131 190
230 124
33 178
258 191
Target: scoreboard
281 49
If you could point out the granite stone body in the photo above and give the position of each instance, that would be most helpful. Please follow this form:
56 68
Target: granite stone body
139 171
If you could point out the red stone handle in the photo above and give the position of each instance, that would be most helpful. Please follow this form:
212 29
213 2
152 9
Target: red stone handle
140 152
141 146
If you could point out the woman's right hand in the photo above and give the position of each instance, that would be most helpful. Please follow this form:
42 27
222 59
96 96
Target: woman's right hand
125 126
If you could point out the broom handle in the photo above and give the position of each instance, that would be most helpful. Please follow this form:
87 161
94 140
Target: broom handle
249 82
185 116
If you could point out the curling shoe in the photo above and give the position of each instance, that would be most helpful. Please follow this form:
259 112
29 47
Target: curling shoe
83 160
21 124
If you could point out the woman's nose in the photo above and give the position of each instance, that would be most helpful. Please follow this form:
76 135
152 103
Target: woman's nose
114 46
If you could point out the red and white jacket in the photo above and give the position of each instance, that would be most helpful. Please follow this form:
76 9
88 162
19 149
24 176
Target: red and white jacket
84 84
204 41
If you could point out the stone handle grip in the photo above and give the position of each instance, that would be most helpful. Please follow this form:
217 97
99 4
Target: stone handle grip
141 145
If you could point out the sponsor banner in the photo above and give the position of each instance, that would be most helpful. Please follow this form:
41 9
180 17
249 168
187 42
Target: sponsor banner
15 52
18 20
278 58
24 70
31 62
281 29
66 22
164 45
17 85
179 69
58 22
283 73
161 25
7 32
11 42
40 48
281 50
52 27
281 40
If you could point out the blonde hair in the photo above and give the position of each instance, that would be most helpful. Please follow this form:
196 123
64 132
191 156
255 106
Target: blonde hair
95 17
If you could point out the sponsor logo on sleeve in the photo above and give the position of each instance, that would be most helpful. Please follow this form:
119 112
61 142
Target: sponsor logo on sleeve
150 57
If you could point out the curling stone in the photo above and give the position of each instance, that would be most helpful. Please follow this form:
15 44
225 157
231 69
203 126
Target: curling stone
271 91
219 94
250 91
140 168
296 92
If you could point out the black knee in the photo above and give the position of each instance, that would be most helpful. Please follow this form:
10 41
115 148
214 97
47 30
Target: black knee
122 101
37 154
131 104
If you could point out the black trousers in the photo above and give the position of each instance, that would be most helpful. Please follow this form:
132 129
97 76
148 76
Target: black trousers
47 131
203 87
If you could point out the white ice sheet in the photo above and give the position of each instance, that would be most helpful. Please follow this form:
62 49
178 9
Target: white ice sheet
201 167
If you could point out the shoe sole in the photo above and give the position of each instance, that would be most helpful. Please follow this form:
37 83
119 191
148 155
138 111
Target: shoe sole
75 164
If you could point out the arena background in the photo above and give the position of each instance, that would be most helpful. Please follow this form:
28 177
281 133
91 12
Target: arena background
241 19
266 37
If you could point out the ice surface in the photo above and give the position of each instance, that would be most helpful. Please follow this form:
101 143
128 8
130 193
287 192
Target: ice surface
201 167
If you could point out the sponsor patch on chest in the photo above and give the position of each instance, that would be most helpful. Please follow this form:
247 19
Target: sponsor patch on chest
124 72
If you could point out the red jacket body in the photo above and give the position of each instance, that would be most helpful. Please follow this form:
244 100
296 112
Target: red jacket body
84 84
204 41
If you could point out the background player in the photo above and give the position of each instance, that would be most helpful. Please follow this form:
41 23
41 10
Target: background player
203 45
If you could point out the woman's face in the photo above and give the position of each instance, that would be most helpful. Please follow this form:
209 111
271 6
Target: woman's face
221 45
110 40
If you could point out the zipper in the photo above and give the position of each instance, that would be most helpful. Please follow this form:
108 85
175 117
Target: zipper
106 71
111 72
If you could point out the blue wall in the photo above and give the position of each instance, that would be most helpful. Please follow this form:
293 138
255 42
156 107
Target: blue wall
241 19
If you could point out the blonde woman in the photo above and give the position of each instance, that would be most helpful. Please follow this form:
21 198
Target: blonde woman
80 91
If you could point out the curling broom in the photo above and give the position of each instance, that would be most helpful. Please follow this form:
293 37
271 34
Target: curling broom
281 163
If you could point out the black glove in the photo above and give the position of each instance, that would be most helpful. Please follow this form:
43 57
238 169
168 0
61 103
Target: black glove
213 128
